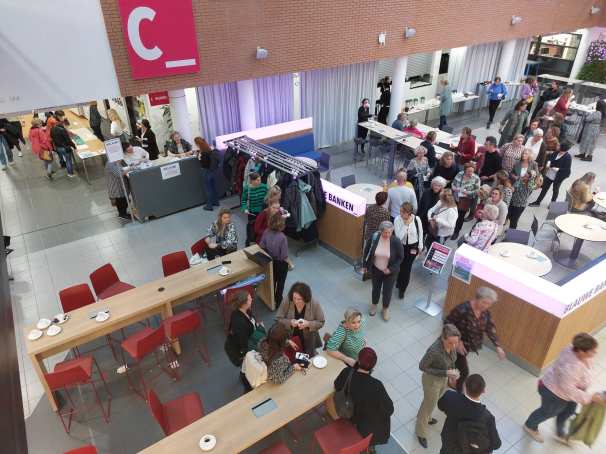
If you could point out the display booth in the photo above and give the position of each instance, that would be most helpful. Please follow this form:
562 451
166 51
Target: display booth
535 318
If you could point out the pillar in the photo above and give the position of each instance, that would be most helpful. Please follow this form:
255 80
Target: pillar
246 103
398 79
506 60
179 114
588 36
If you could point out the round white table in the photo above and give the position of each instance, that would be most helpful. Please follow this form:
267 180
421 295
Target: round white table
600 199
309 161
582 228
368 191
522 256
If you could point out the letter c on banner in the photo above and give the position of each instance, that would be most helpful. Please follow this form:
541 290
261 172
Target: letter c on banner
135 18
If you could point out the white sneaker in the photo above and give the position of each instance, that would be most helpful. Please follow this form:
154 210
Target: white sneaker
71 175
534 434
20 155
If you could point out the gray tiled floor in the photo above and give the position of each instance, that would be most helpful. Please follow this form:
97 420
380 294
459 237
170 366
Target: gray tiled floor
64 229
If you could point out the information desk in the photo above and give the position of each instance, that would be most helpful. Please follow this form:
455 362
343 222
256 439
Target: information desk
535 318
236 427
145 301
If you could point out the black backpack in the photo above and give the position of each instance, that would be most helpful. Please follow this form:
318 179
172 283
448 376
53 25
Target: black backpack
473 435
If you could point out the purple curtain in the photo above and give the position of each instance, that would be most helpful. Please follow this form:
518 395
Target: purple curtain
273 97
219 110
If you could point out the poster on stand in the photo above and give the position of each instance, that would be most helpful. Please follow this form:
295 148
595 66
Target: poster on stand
436 257
113 149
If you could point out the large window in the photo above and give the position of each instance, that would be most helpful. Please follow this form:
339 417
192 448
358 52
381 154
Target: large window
554 54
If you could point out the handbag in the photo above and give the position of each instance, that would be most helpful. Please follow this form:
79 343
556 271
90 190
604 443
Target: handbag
343 403
464 203
46 155
254 369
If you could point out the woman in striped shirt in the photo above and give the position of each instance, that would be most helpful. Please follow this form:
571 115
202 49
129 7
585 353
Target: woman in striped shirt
253 198
348 339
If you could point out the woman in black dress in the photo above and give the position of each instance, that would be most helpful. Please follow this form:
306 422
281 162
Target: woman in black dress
147 138
363 115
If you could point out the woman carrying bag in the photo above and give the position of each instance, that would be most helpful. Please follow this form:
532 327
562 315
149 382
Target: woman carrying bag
42 146
409 230
465 188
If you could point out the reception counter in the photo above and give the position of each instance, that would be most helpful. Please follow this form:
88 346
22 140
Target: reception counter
535 318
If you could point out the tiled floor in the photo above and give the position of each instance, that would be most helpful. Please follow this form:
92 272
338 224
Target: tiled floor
65 229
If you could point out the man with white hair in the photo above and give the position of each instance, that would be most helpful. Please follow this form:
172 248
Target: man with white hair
400 194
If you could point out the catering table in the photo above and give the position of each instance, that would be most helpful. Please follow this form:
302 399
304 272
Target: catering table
368 191
600 199
236 427
154 298
522 256
582 228
441 136
434 103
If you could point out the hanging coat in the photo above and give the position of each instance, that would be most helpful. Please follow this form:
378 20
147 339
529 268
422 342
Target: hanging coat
306 213
591 132
586 425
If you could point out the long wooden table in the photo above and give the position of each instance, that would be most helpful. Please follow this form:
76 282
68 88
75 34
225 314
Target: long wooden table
154 298
236 427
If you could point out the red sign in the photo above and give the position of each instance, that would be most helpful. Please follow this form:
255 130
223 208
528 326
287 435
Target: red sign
160 37
158 98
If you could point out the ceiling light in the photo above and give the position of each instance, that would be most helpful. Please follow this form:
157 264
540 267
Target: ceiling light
409 32
516 20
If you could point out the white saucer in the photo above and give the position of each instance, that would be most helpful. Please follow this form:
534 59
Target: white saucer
53 330
102 317
43 323
35 334
224 271
532 255
207 442
319 361
62 318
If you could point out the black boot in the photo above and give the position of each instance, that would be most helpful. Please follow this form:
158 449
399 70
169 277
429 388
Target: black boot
580 155
400 293
587 158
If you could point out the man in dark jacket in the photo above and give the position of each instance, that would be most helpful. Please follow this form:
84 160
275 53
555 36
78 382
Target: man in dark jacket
468 421
63 142
553 92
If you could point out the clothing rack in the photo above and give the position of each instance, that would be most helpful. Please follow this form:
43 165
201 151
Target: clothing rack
271 156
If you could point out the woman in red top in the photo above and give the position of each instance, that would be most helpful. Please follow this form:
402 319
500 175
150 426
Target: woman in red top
563 102
42 146
412 129
466 148
273 206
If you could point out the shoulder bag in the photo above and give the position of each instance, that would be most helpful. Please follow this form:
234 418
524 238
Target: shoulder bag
343 403
473 435
433 224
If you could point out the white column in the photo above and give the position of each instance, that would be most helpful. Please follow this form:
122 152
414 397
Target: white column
246 103
179 114
398 79
296 96
507 53
588 36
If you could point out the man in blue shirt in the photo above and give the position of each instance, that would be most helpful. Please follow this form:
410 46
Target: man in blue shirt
497 92
398 123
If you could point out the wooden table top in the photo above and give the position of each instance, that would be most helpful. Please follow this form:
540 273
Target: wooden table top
237 428
366 190
522 256
600 199
582 226
140 302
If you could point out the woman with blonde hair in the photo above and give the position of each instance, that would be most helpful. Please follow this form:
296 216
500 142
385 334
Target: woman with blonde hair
117 125
446 167
442 218
222 236
418 170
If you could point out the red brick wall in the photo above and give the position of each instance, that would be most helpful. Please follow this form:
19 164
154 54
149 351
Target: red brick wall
312 34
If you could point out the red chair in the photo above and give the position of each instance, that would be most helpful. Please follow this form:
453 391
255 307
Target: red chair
106 282
78 296
226 308
139 346
176 414
199 247
341 437
186 322
174 263
73 373
278 448
90 449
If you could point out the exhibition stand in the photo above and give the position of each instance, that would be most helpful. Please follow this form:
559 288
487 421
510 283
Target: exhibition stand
535 318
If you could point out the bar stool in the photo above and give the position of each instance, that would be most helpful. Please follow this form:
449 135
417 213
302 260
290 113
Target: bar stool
199 247
72 373
278 448
139 346
177 413
186 322
90 449
174 262
341 437
106 282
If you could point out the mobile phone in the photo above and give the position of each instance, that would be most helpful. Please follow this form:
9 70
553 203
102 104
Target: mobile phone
214 267
226 262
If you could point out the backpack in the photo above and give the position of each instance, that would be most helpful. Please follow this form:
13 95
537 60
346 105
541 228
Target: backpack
254 369
473 435
343 403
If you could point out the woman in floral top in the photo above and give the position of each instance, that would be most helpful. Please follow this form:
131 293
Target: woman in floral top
523 187
375 214
465 186
485 232
418 169
511 153
222 236
279 368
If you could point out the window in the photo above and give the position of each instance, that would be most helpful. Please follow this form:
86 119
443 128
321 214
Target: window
418 69
554 54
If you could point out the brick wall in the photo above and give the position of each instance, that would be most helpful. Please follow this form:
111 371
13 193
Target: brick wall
311 34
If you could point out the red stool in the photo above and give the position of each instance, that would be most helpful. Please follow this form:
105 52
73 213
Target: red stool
226 308
90 449
139 346
341 437
174 263
278 448
72 373
199 247
186 322
177 413
106 282
78 296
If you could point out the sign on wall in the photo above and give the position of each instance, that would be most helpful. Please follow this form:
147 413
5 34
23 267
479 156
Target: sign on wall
343 199
158 98
160 37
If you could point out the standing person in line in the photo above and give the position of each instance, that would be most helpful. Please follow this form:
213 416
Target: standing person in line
466 148
446 167
473 320
489 160
274 242
419 169
400 194
382 258
497 92
51 120
513 123
564 385
438 367
445 103
558 169
469 426
41 146
253 197
177 146
529 90
147 139
553 92
63 143
561 106
535 144
522 189
209 161
262 221
428 143
375 215
117 128
94 120
408 228
430 197
524 165
363 115
591 131
511 153
442 218
115 187
222 236
465 188
528 133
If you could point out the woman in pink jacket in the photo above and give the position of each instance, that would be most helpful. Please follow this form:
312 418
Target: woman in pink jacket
41 146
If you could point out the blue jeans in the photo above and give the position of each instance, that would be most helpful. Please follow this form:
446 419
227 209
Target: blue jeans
66 154
211 191
5 150
551 406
